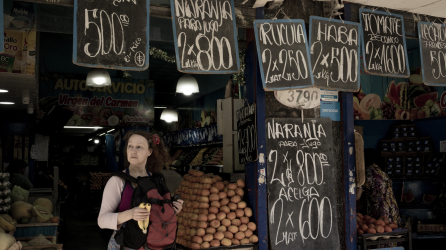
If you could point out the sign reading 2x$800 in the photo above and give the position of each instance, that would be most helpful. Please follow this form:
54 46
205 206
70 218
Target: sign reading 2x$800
111 34
205 36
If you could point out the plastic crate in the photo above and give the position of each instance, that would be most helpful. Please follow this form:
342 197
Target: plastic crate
36 229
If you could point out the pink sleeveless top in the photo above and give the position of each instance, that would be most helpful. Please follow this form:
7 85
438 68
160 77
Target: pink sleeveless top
126 195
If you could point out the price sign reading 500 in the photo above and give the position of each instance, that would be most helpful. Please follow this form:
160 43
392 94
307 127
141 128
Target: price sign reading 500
110 32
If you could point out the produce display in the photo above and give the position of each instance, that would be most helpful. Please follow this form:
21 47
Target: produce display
6 241
198 160
368 225
98 180
5 193
213 213
217 159
177 154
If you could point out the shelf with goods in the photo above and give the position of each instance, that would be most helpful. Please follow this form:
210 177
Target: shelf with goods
5 193
210 156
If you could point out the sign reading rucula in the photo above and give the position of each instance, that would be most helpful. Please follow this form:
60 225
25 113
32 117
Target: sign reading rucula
300 181
247 133
335 53
384 43
284 57
432 37
205 36
111 34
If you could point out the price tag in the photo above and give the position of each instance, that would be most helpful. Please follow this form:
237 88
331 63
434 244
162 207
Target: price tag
300 99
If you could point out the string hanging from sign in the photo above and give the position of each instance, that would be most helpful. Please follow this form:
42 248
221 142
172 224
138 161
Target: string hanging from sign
280 10
416 19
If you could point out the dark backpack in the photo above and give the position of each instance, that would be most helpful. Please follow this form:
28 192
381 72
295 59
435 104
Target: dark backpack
162 230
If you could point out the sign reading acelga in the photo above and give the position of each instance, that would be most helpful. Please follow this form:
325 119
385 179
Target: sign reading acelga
384 43
432 37
284 56
111 34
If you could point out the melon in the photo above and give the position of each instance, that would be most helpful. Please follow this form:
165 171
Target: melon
6 241
392 93
44 202
370 100
416 79
420 101
20 209
42 214
409 196
428 198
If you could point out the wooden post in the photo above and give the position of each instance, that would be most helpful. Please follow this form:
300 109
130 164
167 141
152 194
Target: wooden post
256 171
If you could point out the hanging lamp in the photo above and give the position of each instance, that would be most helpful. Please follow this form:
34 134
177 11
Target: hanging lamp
187 85
169 115
98 78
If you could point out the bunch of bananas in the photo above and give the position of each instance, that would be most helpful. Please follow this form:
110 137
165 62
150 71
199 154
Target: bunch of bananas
145 223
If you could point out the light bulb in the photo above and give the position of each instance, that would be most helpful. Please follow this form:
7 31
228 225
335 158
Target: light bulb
187 92
96 141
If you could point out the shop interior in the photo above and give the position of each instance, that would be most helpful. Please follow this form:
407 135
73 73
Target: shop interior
411 144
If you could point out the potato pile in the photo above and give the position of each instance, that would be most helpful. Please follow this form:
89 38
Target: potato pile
369 225
214 213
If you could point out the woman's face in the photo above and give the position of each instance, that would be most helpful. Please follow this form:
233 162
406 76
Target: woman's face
138 150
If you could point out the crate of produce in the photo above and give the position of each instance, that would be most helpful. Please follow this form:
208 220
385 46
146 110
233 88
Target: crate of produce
36 229
374 241
52 239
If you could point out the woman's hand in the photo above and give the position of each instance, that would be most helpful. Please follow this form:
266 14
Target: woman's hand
178 205
139 214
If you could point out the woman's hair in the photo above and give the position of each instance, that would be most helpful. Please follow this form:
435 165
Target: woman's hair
371 156
16 166
159 157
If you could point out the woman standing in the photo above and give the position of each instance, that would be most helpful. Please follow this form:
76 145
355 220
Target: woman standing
144 155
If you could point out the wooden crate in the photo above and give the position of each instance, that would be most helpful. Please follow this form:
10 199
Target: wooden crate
36 229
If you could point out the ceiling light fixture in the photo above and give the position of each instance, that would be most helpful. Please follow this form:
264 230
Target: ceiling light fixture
187 85
90 139
110 130
84 127
7 103
102 134
3 91
169 115
98 78
96 141
160 107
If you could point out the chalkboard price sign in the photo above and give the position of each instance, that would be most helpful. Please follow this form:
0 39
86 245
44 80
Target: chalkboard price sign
205 36
247 133
301 201
111 34
432 39
384 43
335 53
285 58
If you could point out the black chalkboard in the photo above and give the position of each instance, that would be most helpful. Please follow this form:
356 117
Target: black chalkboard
334 47
300 181
433 52
205 36
284 57
111 34
384 43
247 134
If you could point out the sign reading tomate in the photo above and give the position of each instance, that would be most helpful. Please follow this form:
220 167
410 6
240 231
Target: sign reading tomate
384 43
124 103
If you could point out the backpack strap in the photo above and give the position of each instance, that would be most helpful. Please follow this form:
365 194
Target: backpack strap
125 176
